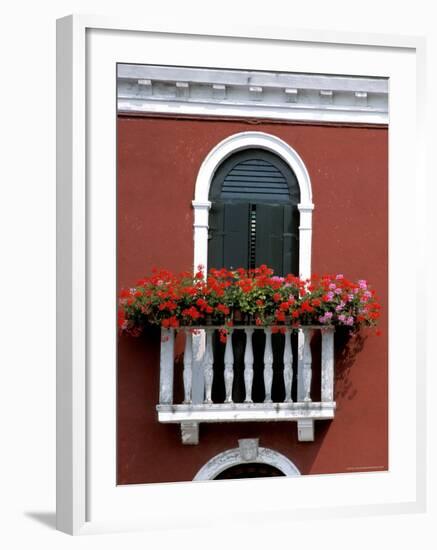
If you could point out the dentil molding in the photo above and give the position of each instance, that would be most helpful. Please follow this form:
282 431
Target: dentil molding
259 94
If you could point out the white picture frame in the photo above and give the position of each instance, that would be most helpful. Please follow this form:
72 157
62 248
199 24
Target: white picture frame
87 498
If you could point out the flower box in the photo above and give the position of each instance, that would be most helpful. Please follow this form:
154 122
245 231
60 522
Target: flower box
246 297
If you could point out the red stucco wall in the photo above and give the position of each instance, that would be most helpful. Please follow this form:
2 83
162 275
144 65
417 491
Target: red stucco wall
158 161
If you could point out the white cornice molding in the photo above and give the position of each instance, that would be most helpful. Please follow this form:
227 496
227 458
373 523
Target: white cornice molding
256 94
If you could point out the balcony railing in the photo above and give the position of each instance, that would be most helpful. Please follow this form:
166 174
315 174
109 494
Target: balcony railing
197 375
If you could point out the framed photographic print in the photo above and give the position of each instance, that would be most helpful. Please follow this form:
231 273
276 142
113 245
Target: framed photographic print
234 219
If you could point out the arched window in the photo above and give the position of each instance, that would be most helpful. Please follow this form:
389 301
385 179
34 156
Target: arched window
254 216
253 220
257 244
247 460
238 143
249 470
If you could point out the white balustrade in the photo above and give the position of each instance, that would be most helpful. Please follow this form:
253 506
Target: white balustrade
166 361
307 364
188 366
193 411
288 366
328 364
248 365
268 365
300 348
208 366
229 368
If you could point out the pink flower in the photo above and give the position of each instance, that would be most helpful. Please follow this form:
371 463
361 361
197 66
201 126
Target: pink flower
326 317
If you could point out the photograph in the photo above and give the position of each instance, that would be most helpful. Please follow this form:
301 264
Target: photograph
252 273
212 335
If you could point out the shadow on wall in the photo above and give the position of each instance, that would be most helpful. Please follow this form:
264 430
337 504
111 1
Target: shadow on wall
347 347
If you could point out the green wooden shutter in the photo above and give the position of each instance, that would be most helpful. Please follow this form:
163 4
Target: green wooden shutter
228 235
255 179
290 241
215 235
269 230
236 238
276 237
254 218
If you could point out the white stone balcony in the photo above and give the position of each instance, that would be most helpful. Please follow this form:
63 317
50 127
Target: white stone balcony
198 371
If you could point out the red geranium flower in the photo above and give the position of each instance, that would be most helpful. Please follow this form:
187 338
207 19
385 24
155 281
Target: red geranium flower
223 309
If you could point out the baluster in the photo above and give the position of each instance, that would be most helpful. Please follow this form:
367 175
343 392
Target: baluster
307 364
268 365
166 362
229 367
288 366
198 382
300 381
208 366
188 366
248 365
328 364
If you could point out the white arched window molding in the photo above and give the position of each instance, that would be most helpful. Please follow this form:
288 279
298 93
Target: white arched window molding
239 455
230 145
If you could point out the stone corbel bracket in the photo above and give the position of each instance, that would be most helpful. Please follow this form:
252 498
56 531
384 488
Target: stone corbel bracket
190 433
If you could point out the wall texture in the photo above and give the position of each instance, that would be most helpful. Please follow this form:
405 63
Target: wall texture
158 161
